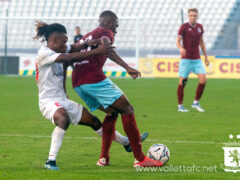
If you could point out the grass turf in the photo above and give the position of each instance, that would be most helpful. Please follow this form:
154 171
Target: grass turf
194 139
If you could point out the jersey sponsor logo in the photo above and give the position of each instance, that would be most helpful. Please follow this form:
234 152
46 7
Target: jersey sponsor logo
57 70
82 62
189 29
50 54
199 30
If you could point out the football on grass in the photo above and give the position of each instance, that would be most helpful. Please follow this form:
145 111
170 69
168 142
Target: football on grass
159 152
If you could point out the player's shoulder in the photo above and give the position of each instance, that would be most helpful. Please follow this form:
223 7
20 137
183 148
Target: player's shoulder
184 25
101 31
45 51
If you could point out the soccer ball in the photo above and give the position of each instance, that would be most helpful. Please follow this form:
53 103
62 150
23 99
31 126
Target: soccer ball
159 152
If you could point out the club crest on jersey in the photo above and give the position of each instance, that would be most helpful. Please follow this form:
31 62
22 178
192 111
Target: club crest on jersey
199 30
189 29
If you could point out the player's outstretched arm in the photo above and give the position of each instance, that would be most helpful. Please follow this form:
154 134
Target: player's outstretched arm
111 54
79 56
131 71
76 47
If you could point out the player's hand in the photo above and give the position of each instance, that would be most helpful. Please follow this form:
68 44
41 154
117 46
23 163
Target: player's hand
206 61
183 52
133 72
105 49
93 42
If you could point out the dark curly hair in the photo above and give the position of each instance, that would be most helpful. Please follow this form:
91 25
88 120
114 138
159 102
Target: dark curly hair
45 30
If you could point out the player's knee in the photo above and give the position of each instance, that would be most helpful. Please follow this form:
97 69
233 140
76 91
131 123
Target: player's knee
96 123
184 82
115 114
88 119
203 81
62 120
129 109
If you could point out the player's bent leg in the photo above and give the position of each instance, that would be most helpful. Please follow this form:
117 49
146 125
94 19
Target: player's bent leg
123 106
62 121
202 78
90 120
108 133
119 138
199 91
180 93
61 118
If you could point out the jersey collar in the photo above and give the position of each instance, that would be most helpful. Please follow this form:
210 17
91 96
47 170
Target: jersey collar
192 25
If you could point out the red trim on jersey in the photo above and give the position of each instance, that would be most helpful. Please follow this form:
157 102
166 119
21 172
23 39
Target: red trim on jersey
37 72
57 104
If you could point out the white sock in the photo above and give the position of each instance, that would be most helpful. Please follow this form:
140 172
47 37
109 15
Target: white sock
180 105
118 137
57 137
121 139
99 132
195 102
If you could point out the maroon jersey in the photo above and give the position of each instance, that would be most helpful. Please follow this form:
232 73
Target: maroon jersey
90 71
191 38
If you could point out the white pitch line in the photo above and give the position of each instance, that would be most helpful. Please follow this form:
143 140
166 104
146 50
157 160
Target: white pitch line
186 142
95 138
39 136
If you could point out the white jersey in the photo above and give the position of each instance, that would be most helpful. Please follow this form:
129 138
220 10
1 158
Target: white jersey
49 75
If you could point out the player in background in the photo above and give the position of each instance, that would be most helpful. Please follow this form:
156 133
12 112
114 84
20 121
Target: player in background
101 93
191 35
78 34
53 101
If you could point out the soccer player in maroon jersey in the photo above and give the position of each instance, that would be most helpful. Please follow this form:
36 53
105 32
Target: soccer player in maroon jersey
191 35
99 92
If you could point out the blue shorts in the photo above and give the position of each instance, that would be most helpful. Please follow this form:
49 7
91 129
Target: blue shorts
104 94
187 66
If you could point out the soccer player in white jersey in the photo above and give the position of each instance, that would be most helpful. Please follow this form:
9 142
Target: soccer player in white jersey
53 101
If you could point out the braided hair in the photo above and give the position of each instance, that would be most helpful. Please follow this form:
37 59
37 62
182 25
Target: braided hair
45 30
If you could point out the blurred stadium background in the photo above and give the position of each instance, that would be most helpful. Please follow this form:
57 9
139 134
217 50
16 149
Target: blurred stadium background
146 35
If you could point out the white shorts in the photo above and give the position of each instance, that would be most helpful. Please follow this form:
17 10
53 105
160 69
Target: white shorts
49 107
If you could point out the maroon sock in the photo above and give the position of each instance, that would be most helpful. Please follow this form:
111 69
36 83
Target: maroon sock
108 132
180 93
199 91
130 128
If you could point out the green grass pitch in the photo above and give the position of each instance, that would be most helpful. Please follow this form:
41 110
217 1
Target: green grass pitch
194 139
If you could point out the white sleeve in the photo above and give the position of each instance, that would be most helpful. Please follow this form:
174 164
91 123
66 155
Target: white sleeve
47 56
